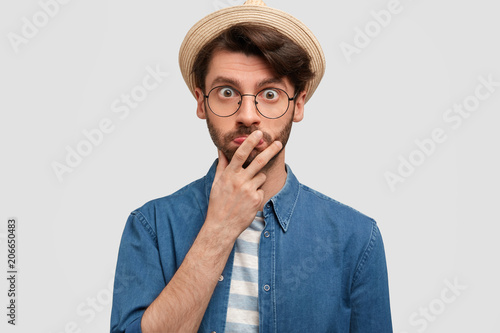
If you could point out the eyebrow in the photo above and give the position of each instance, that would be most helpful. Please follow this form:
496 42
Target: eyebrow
225 80
271 80
237 83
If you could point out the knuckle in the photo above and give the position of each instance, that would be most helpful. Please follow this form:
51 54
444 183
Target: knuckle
255 199
260 161
247 188
239 155
235 187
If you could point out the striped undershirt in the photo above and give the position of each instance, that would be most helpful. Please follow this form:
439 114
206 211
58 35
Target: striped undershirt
243 307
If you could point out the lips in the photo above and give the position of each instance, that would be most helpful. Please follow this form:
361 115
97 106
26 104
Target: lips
239 140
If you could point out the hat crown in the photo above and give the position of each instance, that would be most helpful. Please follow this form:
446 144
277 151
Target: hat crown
258 13
255 3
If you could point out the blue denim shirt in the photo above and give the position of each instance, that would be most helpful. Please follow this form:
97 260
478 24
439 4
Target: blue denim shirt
322 265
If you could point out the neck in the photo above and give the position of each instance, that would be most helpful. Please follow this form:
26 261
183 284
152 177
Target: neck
275 177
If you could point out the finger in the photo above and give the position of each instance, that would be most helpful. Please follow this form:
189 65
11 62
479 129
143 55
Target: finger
261 194
263 158
243 151
258 180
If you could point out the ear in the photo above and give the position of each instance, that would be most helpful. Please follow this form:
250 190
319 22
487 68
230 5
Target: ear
200 101
300 100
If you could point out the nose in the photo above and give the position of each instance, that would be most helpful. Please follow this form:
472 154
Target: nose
248 114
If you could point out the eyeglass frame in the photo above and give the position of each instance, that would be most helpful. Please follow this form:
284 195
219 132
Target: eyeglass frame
254 100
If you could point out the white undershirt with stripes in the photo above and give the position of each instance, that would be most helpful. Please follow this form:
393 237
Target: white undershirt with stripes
243 307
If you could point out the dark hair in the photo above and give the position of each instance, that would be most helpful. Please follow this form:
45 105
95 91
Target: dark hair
283 55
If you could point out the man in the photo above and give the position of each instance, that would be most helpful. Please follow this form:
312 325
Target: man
248 248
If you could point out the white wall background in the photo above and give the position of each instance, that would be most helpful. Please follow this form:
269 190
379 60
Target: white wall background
440 225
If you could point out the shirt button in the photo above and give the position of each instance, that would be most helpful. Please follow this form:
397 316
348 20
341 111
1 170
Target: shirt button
220 279
267 234
267 287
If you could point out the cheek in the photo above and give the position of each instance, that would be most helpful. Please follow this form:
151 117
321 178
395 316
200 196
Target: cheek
218 122
277 126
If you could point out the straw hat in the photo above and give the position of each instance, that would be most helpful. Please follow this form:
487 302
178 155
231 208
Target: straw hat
252 11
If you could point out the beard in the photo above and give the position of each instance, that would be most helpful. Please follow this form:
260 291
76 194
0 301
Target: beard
223 141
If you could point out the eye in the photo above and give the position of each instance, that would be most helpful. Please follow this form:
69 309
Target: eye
227 92
270 95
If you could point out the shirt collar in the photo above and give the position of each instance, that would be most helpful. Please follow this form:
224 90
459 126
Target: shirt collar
283 203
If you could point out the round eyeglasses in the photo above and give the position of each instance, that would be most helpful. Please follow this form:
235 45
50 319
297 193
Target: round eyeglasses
272 103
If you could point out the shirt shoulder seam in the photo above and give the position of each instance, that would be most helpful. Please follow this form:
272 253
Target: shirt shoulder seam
366 252
331 200
144 221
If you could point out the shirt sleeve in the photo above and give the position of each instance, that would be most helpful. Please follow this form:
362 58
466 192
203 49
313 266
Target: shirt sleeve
370 307
138 278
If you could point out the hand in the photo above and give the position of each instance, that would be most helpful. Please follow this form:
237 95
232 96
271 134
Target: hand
236 195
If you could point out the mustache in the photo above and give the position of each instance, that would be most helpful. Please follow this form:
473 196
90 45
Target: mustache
245 131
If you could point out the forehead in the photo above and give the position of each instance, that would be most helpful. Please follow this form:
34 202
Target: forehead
245 70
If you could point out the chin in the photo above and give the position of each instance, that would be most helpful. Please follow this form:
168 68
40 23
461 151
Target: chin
229 153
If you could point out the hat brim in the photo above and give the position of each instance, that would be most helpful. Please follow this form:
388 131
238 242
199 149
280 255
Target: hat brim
213 24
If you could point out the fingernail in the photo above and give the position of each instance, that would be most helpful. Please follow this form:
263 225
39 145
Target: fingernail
258 134
279 144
